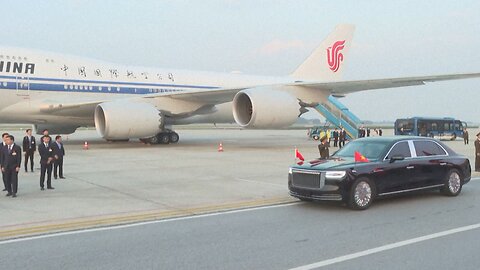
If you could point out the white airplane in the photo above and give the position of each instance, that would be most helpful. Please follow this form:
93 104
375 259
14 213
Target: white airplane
61 93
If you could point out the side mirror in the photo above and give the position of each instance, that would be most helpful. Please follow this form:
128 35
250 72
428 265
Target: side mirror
396 158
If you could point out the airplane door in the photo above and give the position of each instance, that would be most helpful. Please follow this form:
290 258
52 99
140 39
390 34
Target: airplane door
23 86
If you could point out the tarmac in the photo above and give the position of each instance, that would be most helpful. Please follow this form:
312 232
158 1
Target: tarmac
127 182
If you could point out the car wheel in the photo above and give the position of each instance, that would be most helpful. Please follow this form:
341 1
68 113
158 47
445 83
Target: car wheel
361 194
452 183
315 137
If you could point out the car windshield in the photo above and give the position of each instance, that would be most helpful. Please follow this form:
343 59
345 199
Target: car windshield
369 149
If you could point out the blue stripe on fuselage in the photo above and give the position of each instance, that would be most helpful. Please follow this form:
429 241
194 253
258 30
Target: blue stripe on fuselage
96 86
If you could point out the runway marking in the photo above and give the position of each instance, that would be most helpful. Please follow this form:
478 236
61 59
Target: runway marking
386 247
78 227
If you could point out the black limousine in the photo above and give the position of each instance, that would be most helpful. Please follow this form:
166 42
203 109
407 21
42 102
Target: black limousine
368 168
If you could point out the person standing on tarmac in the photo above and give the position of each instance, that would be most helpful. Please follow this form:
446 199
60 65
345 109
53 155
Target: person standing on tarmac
335 137
465 136
477 153
29 148
11 162
47 156
323 148
59 152
4 138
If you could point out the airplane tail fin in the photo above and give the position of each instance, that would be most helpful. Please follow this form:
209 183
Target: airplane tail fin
326 63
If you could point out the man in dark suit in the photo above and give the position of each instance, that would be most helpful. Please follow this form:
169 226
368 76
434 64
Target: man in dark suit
4 138
29 148
477 153
335 137
11 162
47 157
59 152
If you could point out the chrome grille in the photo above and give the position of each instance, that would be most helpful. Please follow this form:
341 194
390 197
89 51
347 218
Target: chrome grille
308 179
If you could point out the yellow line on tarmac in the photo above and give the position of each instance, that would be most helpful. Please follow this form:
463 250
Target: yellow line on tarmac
132 218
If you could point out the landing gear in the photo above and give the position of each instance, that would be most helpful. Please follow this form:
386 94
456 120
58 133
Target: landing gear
165 137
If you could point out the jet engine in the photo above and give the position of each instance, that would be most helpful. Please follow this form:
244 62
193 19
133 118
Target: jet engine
265 108
120 120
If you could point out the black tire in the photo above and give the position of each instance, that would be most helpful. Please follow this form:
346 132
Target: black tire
361 194
153 140
174 137
163 138
452 183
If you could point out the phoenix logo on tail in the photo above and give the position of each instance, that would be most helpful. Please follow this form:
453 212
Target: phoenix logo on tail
334 56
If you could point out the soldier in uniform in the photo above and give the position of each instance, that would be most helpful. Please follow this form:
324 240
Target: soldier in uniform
323 148
477 153
47 157
11 162
29 148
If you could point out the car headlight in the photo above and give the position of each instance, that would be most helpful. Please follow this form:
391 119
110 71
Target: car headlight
335 175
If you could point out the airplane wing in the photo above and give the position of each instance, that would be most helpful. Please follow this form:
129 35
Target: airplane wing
342 88
201 98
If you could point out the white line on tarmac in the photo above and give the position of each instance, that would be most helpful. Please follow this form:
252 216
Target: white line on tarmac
386 247
259 182
115 227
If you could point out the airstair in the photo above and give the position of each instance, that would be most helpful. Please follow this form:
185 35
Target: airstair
340 116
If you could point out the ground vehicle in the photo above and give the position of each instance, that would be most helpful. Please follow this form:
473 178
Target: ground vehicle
439 128
395 165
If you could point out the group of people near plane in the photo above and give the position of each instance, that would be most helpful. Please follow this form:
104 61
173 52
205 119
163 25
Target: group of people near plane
51 159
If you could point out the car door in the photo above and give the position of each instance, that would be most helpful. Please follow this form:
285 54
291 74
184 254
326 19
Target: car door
431 163
396 174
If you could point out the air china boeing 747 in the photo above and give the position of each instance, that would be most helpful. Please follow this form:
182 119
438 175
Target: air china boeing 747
62 93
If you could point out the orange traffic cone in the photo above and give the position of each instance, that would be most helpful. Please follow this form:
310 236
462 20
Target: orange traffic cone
220 147
85 146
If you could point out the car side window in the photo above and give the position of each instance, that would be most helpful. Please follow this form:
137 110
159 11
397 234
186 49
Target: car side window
428 148
400 149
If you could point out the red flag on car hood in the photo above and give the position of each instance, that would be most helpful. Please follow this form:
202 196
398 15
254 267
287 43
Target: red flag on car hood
360 158
299 155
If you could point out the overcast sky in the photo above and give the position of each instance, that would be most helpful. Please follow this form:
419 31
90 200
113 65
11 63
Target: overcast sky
392 39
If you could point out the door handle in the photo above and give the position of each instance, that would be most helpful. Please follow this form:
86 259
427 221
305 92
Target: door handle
410 167
443 163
